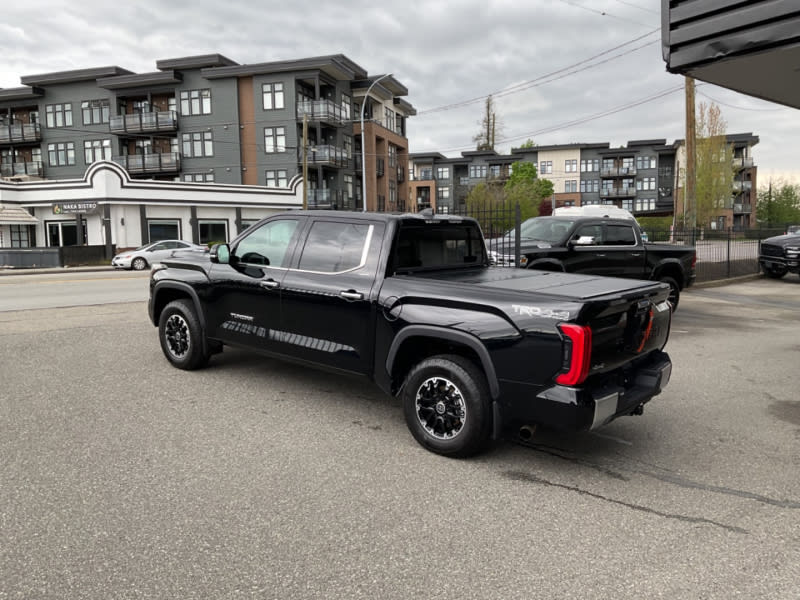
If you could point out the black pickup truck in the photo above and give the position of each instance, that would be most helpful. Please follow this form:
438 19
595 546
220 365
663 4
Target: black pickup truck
780 255
603 243
410 302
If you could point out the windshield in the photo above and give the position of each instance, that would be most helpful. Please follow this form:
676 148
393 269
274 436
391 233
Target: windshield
546 229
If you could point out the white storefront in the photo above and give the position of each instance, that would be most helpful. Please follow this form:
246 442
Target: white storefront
133 212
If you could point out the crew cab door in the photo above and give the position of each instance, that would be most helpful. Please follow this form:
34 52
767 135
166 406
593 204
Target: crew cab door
244 302
615 252
327 295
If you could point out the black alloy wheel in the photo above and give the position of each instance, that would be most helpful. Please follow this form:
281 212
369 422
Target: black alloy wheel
181 336
446 405
674 291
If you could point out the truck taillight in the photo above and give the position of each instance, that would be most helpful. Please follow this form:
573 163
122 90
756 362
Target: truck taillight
578 355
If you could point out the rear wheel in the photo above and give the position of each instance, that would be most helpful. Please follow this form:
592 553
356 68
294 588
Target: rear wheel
674 291
181 336
446 406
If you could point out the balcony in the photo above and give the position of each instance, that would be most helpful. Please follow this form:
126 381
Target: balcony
163 121
623 192
323 111
742 186
34 169
325 155
319 198
742 209
618 172
29 133
743 162
150 164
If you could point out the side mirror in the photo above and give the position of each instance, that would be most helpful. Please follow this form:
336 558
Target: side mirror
584 240
220 254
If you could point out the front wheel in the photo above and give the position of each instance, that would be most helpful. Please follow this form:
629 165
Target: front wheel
775 273
674 291
139 264
181 336
446 406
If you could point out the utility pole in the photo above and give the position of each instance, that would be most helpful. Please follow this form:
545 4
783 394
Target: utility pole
305 160
691 155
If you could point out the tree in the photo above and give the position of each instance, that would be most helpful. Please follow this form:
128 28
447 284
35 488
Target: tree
529 143
778 204
491 127
525 187
714 168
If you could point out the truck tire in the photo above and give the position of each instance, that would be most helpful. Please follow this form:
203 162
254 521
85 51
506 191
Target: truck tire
674 291
775 273
181 336
446 406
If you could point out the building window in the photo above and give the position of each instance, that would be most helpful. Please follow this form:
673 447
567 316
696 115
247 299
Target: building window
212 231
272 94
645 162
94 150
199 177
392 192
198 145
443 173
196 102
442 195
277 178
275 139
645 204
61 154
477 171
608 164
646 183
163 229
21 236
95 112
64 233
392 155
348 145
388 115
590 185
590 165
627 205
494 170
58 115
571 165
546 167
571 186
349 189
346 107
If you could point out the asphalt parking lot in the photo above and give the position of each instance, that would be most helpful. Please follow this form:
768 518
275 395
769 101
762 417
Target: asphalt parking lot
125 478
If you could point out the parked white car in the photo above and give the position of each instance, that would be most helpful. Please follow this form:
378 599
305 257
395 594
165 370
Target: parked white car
149 254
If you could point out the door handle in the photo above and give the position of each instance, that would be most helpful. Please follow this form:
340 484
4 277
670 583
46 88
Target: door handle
636 254
270 284
351 295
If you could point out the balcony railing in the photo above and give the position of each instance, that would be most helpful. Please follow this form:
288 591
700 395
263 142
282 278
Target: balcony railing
742 186
17 133
324 155
618 172
138 164
741 209
617 192
324 111
319 198
21 168
743 162
144 122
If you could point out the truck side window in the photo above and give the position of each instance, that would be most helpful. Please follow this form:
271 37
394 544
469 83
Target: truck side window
333 247
620 235
267 245
593 231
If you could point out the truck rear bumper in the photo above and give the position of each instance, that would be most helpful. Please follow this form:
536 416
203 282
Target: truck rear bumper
590 406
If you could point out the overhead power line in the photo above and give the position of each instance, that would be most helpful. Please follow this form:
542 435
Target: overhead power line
546 78
604 13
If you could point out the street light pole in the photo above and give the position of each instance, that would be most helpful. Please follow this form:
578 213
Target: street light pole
363 148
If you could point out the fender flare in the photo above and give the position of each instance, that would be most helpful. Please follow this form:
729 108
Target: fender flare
452 335
184 287
548 262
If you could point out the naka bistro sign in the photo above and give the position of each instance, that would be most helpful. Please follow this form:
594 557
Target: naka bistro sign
74 208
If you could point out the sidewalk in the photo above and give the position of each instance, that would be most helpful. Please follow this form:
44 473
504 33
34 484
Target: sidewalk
39 271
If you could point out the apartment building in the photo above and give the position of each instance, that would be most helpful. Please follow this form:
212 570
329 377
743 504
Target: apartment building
209 119
644 177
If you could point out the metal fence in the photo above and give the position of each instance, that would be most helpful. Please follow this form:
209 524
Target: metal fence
721 254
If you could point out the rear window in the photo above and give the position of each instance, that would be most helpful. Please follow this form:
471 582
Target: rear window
439 245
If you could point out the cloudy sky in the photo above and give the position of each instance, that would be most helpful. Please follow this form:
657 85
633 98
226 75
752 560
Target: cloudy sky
561 71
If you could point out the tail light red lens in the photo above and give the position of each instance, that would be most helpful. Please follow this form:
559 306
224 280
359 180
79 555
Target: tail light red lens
579 354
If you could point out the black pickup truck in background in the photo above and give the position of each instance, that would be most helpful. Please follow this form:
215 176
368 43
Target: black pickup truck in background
780 255
410 302
597 240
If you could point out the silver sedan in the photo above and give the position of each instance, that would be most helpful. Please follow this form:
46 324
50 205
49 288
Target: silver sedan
147 255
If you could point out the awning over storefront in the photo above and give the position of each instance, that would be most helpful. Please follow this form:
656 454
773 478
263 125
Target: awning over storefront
16 215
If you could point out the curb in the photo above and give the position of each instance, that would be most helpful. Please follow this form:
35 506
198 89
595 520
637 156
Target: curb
51 270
